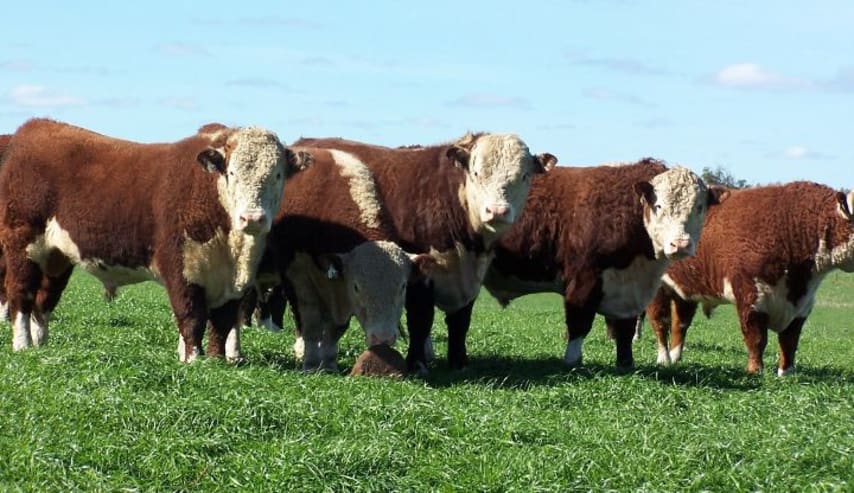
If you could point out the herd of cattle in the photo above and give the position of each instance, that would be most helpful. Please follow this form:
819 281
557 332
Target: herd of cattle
366 231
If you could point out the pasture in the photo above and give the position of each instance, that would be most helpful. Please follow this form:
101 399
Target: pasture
107 407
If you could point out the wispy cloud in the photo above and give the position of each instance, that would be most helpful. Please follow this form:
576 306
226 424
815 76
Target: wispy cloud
755 76
486 100
604 94
34 96
17 65
180 49
624 65
258 83
842 81
798 153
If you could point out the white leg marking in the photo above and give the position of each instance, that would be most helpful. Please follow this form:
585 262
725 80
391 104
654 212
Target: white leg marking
676 353
663 356
270 325
4 311
782 372
232 346
638 330
299 349
21 332
572 357
38 329
182 349
429 352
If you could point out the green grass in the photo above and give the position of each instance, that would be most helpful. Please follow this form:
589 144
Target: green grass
107 407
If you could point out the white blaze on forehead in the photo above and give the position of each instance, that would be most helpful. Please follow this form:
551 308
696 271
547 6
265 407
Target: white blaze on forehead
363 189
680 207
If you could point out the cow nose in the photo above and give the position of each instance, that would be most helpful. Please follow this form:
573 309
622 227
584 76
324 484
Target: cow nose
252 221
376 339
497 212
680 247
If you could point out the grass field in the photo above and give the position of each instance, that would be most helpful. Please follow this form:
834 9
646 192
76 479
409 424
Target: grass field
107 407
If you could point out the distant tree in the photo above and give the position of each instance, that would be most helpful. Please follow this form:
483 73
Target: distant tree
721 176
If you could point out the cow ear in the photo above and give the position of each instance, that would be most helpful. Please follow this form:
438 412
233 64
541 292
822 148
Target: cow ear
332 265
213 160
423 266
646 192
717 194
544 162
297 161
843 205
459 156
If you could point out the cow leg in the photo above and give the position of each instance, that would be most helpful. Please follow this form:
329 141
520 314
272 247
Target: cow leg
291 297
458 326
23 278
419 321
271 310
638 327
329 346
579 321
658 313
623 330
47 298
224 336
754 329
682 314
248 304
190 309
788 340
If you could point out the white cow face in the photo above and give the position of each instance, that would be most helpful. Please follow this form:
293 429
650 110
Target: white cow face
253 166
675 204
374 277
498 170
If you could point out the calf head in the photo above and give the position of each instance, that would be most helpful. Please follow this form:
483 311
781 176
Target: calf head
498 171
252 166
674 208
842 251
372 280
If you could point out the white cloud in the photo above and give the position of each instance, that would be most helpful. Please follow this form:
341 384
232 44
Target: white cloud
39 96
754 76
798 153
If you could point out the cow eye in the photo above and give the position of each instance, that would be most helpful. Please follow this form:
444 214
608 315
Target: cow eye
657 208
355 287
475 174
278 176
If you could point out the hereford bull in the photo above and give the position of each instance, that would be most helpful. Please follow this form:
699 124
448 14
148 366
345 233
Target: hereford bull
329 247
601 237
193 215
451 201
766 250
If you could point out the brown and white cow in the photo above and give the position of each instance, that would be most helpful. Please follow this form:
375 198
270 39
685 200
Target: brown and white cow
193 215
451 201
329 246
766 250
4 313
601 237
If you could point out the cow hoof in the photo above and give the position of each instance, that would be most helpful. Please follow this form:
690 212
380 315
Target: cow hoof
623 368
418 368
783 372
237 360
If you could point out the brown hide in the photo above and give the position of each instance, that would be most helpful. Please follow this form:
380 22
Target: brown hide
769 234
578 222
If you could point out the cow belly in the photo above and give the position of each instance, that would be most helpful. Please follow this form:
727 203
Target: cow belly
774 301
626 292
457 277
506 288
43 251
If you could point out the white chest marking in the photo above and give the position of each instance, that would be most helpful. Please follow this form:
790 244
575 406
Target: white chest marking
626 292
458 276
224 265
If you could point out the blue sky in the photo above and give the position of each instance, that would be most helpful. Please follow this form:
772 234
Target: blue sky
763 88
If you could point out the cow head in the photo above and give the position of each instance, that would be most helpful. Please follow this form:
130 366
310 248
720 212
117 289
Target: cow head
842 254
674 208
252 166
373 278
498 170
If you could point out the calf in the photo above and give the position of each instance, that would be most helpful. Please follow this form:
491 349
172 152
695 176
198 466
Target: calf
451 201
766 250
601 237
328 246
193 215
